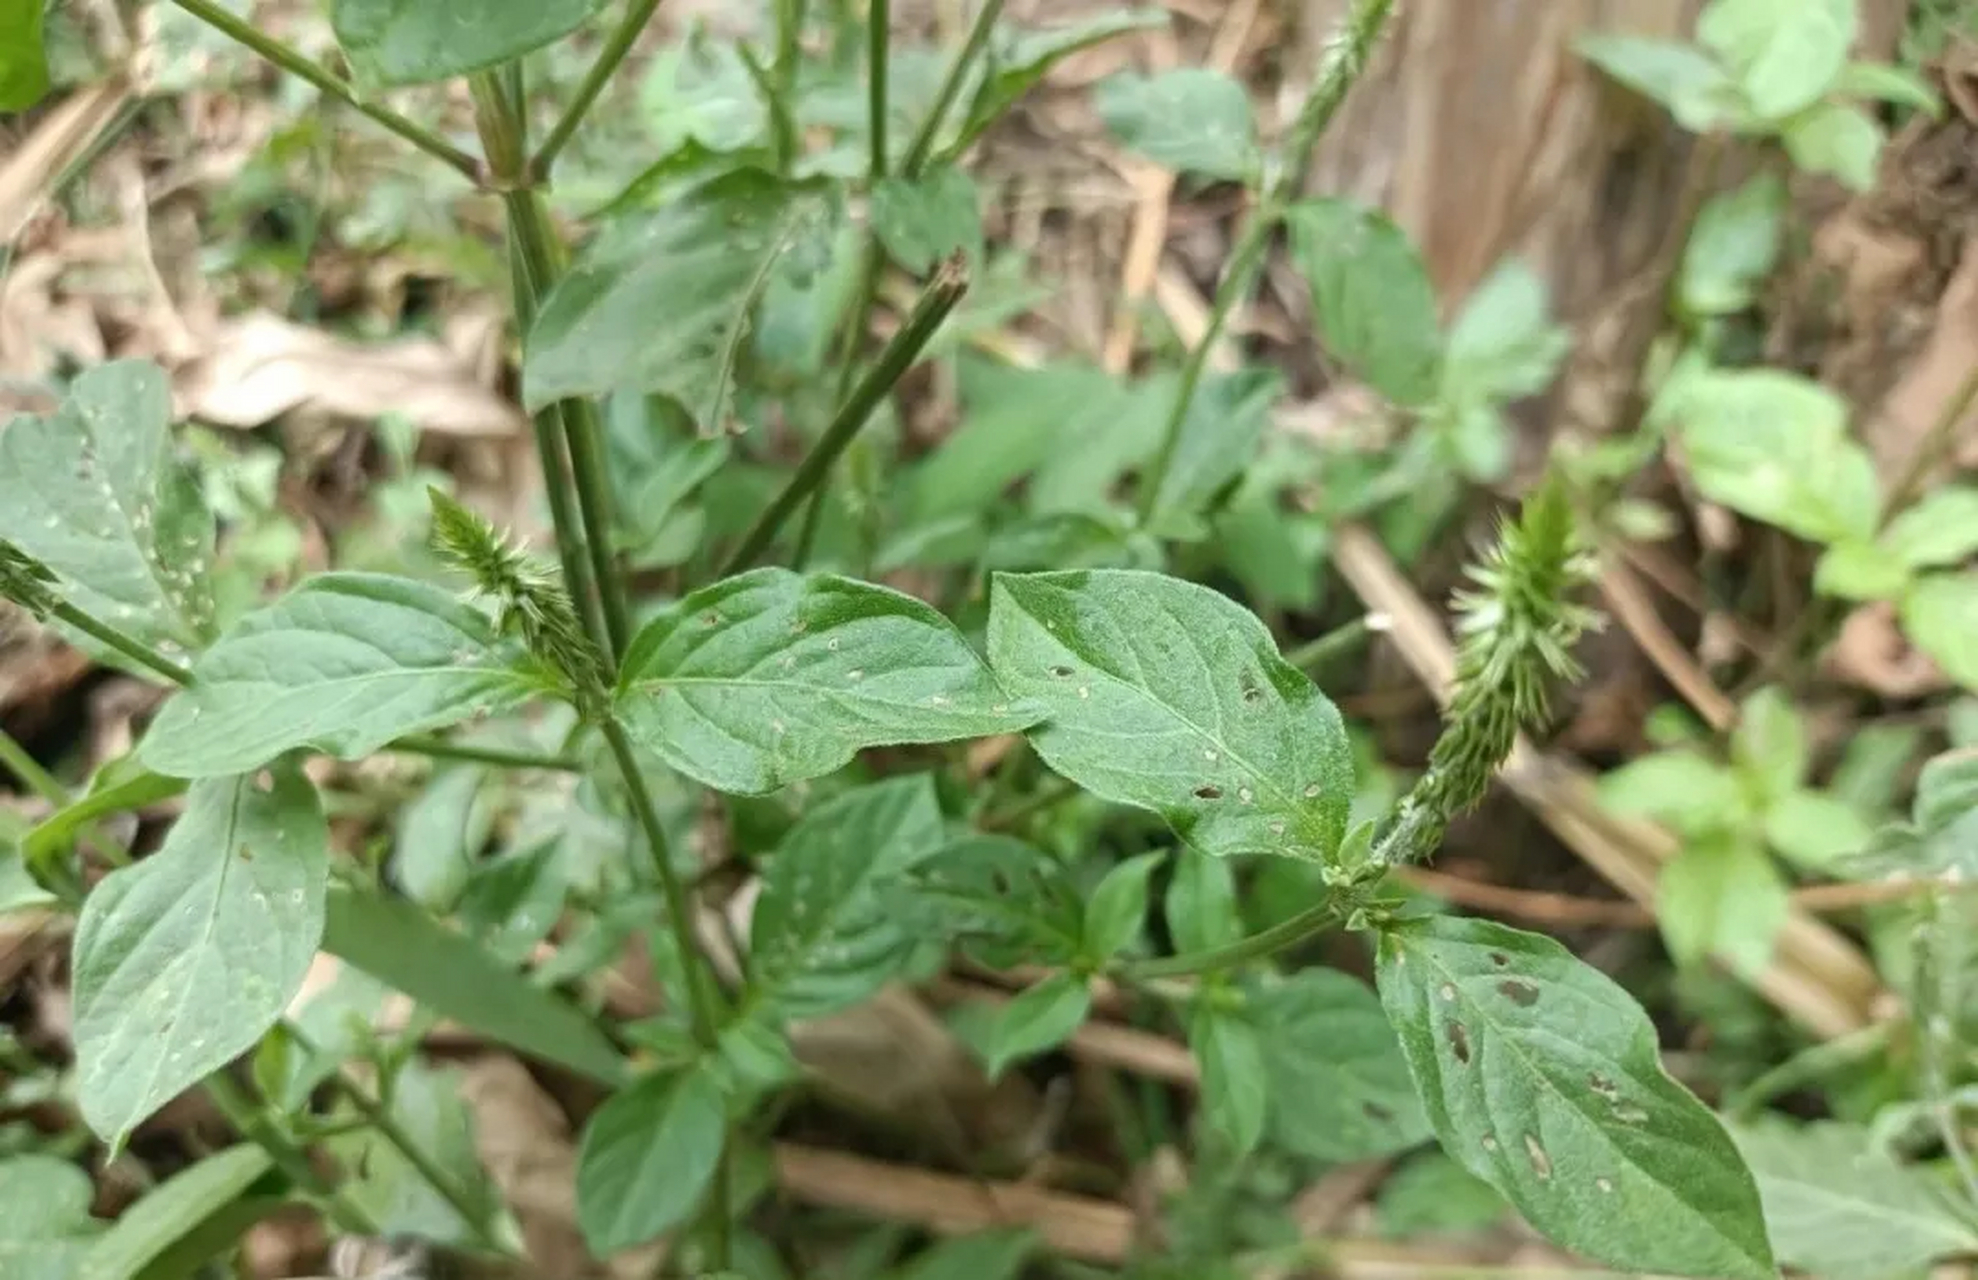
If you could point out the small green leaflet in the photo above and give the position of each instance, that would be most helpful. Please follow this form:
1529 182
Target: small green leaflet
1838 1208
1190 119
23 64
821 935
120 786
1940 615
772 677
1117 908
986 1255
439 834
92 492
1230 1051
1732 248
922 220
1005 902
397 943
1201 905
647 1156
173 1210
1785 54
1375 307
1543 1077
1335 1076
1167 695
1019 60
1037 1020
1218 440
1940 530
653 304
414 41
344 663
1769 744
1837 139
1431 1193
1722 896
45 1227
1696 91
186 959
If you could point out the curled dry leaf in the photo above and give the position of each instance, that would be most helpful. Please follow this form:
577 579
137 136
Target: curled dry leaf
1924 393
261 366
1872 653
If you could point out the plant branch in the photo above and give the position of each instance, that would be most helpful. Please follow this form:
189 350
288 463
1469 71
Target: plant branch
438 748
25 767
1282 936
878 35
1314 654
606 65
1346 56
249 1116
950 282
922 146
293 62
123 642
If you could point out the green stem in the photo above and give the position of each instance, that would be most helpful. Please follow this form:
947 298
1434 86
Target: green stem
950 282
501 757
616 46
251 1119
782 85
1346 56
475 1213
922 147
123 642
878 32
1315 654
701 999
315 73
25 767
1308 923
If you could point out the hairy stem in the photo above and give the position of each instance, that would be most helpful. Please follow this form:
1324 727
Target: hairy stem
293 62
1282 936
942 293
123 642
1314 654
616 46
1346 56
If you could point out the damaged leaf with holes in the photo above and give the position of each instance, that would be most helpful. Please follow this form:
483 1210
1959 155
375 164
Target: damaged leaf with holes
1169 696
1542 1076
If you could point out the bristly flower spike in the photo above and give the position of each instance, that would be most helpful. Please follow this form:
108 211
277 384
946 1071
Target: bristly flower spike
1517 625
527 596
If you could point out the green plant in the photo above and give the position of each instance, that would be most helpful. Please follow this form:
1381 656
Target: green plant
820 706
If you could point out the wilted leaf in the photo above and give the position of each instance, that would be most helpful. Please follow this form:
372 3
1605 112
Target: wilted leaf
1543 1077
772 677
410 41
344 663
186 959
1166 695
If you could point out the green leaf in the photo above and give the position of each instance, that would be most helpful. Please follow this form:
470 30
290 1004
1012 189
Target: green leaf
91 491
397 943
1947 789
1843 141
1218 439
1038 1019
339 1021
1371 296
700 91
1786 54
1190 119
773 677
1940 616
1694 89
1166 695
1503 345
1940 530
921 221
343 664
1855 569
413 41
1117 909
1774 446
429 1105
1769 743
1015 420
439 834
653 303
822 938
1837 1206
1004 901
23 64
1201 905
1333 1069
19 891
1722 897
173 1210
986 1255
1230 1050
1543 1077
186 959
1018 61
1733 246
647 1157
45 1227
119 786
1681 788
1432 1193
1814 831
1880 82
